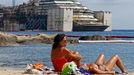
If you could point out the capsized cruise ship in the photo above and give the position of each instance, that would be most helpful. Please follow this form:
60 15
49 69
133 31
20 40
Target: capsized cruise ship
84 19
71 15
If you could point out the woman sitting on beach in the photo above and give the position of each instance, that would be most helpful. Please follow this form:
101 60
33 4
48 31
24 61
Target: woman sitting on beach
61 55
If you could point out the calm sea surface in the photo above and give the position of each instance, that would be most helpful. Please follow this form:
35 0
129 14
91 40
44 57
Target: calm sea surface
19 56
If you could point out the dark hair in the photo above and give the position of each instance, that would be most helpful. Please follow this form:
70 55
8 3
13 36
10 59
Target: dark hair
57 39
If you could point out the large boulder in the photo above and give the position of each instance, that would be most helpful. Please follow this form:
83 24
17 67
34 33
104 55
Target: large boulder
23 39
39 38
85 38
44 38
7 39
98 37
94 37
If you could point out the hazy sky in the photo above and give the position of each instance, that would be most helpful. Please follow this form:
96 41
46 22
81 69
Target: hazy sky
122 10
9 2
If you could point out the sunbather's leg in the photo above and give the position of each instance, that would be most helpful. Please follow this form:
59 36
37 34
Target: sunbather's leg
100 60
115 60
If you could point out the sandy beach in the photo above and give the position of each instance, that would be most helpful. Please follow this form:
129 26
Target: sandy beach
16 71
13 71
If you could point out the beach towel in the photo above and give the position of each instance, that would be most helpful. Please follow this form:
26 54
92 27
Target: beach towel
38 69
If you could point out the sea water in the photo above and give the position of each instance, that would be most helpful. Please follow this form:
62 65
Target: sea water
19 56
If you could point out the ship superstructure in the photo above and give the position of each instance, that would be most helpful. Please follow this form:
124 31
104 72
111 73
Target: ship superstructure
84 19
